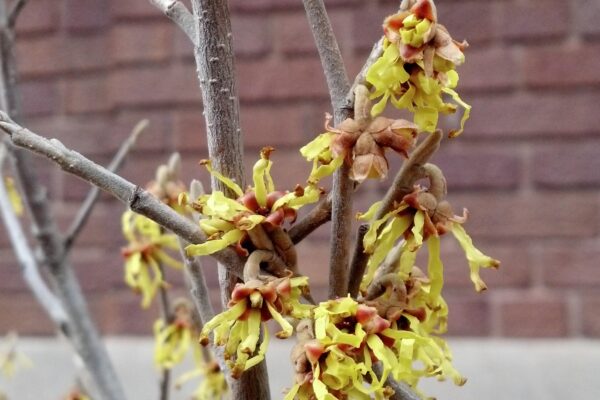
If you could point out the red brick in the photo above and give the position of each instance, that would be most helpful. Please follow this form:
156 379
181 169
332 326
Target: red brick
271 5
533 19
551 215
546 66
86 53
588 15
131 43
277 80
38 18
102 229
479 167
561 165
468 315
11 279
314 261
488 69
99 269
293 36
85 15
189 131
534 115
591 316
515 268
119 312
367 25
525 316
39 56
86 135
86 95
570 265
156 137
468 20
278 126
251 35
20 312
39 97
154 86
134 9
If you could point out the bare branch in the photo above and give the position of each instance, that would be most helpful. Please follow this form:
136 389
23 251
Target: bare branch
213 53
343 187
91 198
313 220
359 262
177 12
27 262
411 171
199 290
401 390
133 196
14 12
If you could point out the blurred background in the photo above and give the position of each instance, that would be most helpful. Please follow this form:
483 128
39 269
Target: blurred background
527 165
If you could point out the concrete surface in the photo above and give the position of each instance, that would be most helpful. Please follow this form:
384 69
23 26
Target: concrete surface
497 370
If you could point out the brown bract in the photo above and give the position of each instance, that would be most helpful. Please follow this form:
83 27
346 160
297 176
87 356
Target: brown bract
362 143
437 40
438 212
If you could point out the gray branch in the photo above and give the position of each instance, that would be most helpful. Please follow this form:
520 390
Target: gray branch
26 259
213 53
343 187
177 12
131 195
93 195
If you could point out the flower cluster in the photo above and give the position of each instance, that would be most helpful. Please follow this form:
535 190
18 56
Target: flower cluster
418 66
173 338
145 254
360 142
420 217
229 222
252 303
349 339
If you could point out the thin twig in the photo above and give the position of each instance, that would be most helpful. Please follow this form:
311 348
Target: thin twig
133 196
343 187
321 214
198 290
82 334
14 12
411 171
401 390
166 315
93 195
26 259
177 12
358 263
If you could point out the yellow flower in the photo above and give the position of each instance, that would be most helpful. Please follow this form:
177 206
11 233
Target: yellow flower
172 339
226 221
360 142
213 384
13 196
145 253
12 360
418 67
240 327
417 218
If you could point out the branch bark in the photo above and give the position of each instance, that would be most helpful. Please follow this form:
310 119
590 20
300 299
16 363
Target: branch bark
26 259
213 53
131 195
343 187
177 12
81 331
91 198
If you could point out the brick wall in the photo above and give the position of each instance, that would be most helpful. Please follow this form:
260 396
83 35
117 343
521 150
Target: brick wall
527 166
